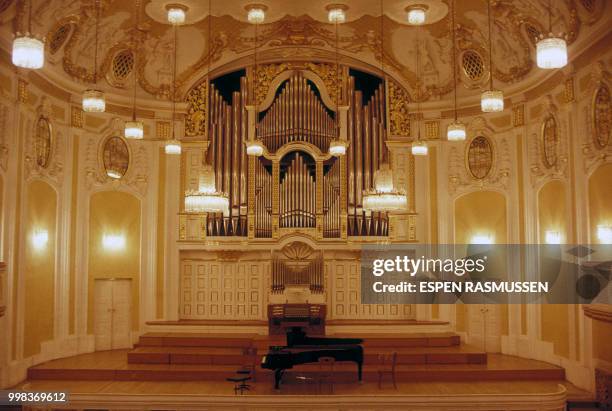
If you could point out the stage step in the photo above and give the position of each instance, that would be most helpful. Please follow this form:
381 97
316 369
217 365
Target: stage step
235 356
99 367
196 340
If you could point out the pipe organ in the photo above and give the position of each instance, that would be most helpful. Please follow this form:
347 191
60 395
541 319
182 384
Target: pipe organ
297 191
227 155
297 114
296 184
310 275
366 134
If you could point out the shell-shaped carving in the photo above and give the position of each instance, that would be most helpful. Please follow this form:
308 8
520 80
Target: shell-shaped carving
297 251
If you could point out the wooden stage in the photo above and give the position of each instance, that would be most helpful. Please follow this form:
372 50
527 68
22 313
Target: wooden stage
205 357
188 370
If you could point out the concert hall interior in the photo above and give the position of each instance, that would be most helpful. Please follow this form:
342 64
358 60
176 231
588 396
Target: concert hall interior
191 192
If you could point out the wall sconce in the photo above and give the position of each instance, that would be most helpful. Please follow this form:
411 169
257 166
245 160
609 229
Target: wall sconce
552 237
40 238
113 242
482 239
604 234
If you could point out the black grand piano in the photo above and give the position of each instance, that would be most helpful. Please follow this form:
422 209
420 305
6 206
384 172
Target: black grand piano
301 349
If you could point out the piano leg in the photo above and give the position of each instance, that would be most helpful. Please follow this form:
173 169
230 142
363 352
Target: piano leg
278 376
359 369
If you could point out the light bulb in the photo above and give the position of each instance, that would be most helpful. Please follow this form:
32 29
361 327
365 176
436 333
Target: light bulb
419 148
336 13
337 148
254 148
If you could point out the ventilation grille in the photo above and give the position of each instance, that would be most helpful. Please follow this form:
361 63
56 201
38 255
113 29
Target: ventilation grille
58 38
589 5
123 64
473 66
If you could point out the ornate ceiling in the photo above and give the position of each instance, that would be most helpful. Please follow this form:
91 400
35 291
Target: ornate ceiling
298 30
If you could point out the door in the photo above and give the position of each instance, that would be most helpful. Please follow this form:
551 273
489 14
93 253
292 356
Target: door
484 326
112 313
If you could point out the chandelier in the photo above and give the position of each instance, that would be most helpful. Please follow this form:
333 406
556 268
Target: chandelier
336 15
254 148
134 129
28 51
415 14
383 197
456 129
551 51
256 13
206 199
94 100
419 148
177 13
491 101
338 147
173 146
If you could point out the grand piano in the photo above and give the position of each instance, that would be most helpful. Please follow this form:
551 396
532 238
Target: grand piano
301 349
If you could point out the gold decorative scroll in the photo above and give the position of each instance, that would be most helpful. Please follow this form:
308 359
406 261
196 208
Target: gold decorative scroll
264 76
197 110
328 74
399 114
518 115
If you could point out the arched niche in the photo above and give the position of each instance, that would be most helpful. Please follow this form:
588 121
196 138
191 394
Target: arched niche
481 213
39 264
552 211
600 201
114 245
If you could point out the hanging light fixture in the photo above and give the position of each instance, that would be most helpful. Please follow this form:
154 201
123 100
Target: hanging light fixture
384 197
134 129
206 199
94 100
419 147
173 146
456 129
28 51
256 14
336 15
491 100
551 51
415 14
177 13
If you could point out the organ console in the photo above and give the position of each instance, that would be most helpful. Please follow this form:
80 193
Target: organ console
282 317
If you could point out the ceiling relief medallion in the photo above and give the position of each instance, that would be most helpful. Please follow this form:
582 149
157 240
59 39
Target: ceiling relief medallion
399 113
548 148
484 162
